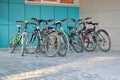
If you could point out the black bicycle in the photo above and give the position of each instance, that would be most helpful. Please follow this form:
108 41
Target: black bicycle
102 37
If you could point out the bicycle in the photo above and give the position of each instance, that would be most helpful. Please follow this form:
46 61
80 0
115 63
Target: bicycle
89 43
15 40
67 39
92 37
24 39
102 37
49 38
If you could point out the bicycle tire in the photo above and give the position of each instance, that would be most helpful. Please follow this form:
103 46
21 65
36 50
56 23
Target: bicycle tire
51 48
101 40
76 42
90 42
64 44
13 43
32 43
40 47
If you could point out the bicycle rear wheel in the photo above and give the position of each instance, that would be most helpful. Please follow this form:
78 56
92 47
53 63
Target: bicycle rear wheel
104 42
51 44
76 42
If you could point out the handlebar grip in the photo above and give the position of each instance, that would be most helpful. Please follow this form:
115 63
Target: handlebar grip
23 21
19 21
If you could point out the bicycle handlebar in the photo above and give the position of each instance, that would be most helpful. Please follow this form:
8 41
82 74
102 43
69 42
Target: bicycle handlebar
80 19
25 21
59 21
39 21
87 18
21 21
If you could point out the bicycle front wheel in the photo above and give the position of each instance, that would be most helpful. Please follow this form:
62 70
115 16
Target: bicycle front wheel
51 44
32 43
14 42
76 42
104 42
90 42
64 44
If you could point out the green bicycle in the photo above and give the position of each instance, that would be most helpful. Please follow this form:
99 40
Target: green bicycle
27 41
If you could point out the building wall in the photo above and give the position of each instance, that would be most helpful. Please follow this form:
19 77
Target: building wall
12 10
107 13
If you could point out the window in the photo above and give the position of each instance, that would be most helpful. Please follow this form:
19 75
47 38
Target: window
67 1
34 0
51 0
54 2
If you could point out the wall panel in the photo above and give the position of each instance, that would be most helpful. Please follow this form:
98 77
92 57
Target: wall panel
12 10
17 1
107 13
4 13
61 13
32 11
3 36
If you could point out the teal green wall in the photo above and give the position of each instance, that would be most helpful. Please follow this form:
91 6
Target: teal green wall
12 10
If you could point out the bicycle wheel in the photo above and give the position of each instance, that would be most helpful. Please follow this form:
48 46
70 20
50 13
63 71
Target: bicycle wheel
90 42
64 44
40 43
104 42
32 42
14 42
51 44
76 42
23 42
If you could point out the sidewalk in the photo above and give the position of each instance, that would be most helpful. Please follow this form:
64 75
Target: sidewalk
75 66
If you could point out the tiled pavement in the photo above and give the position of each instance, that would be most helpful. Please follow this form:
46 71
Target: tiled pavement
95 65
